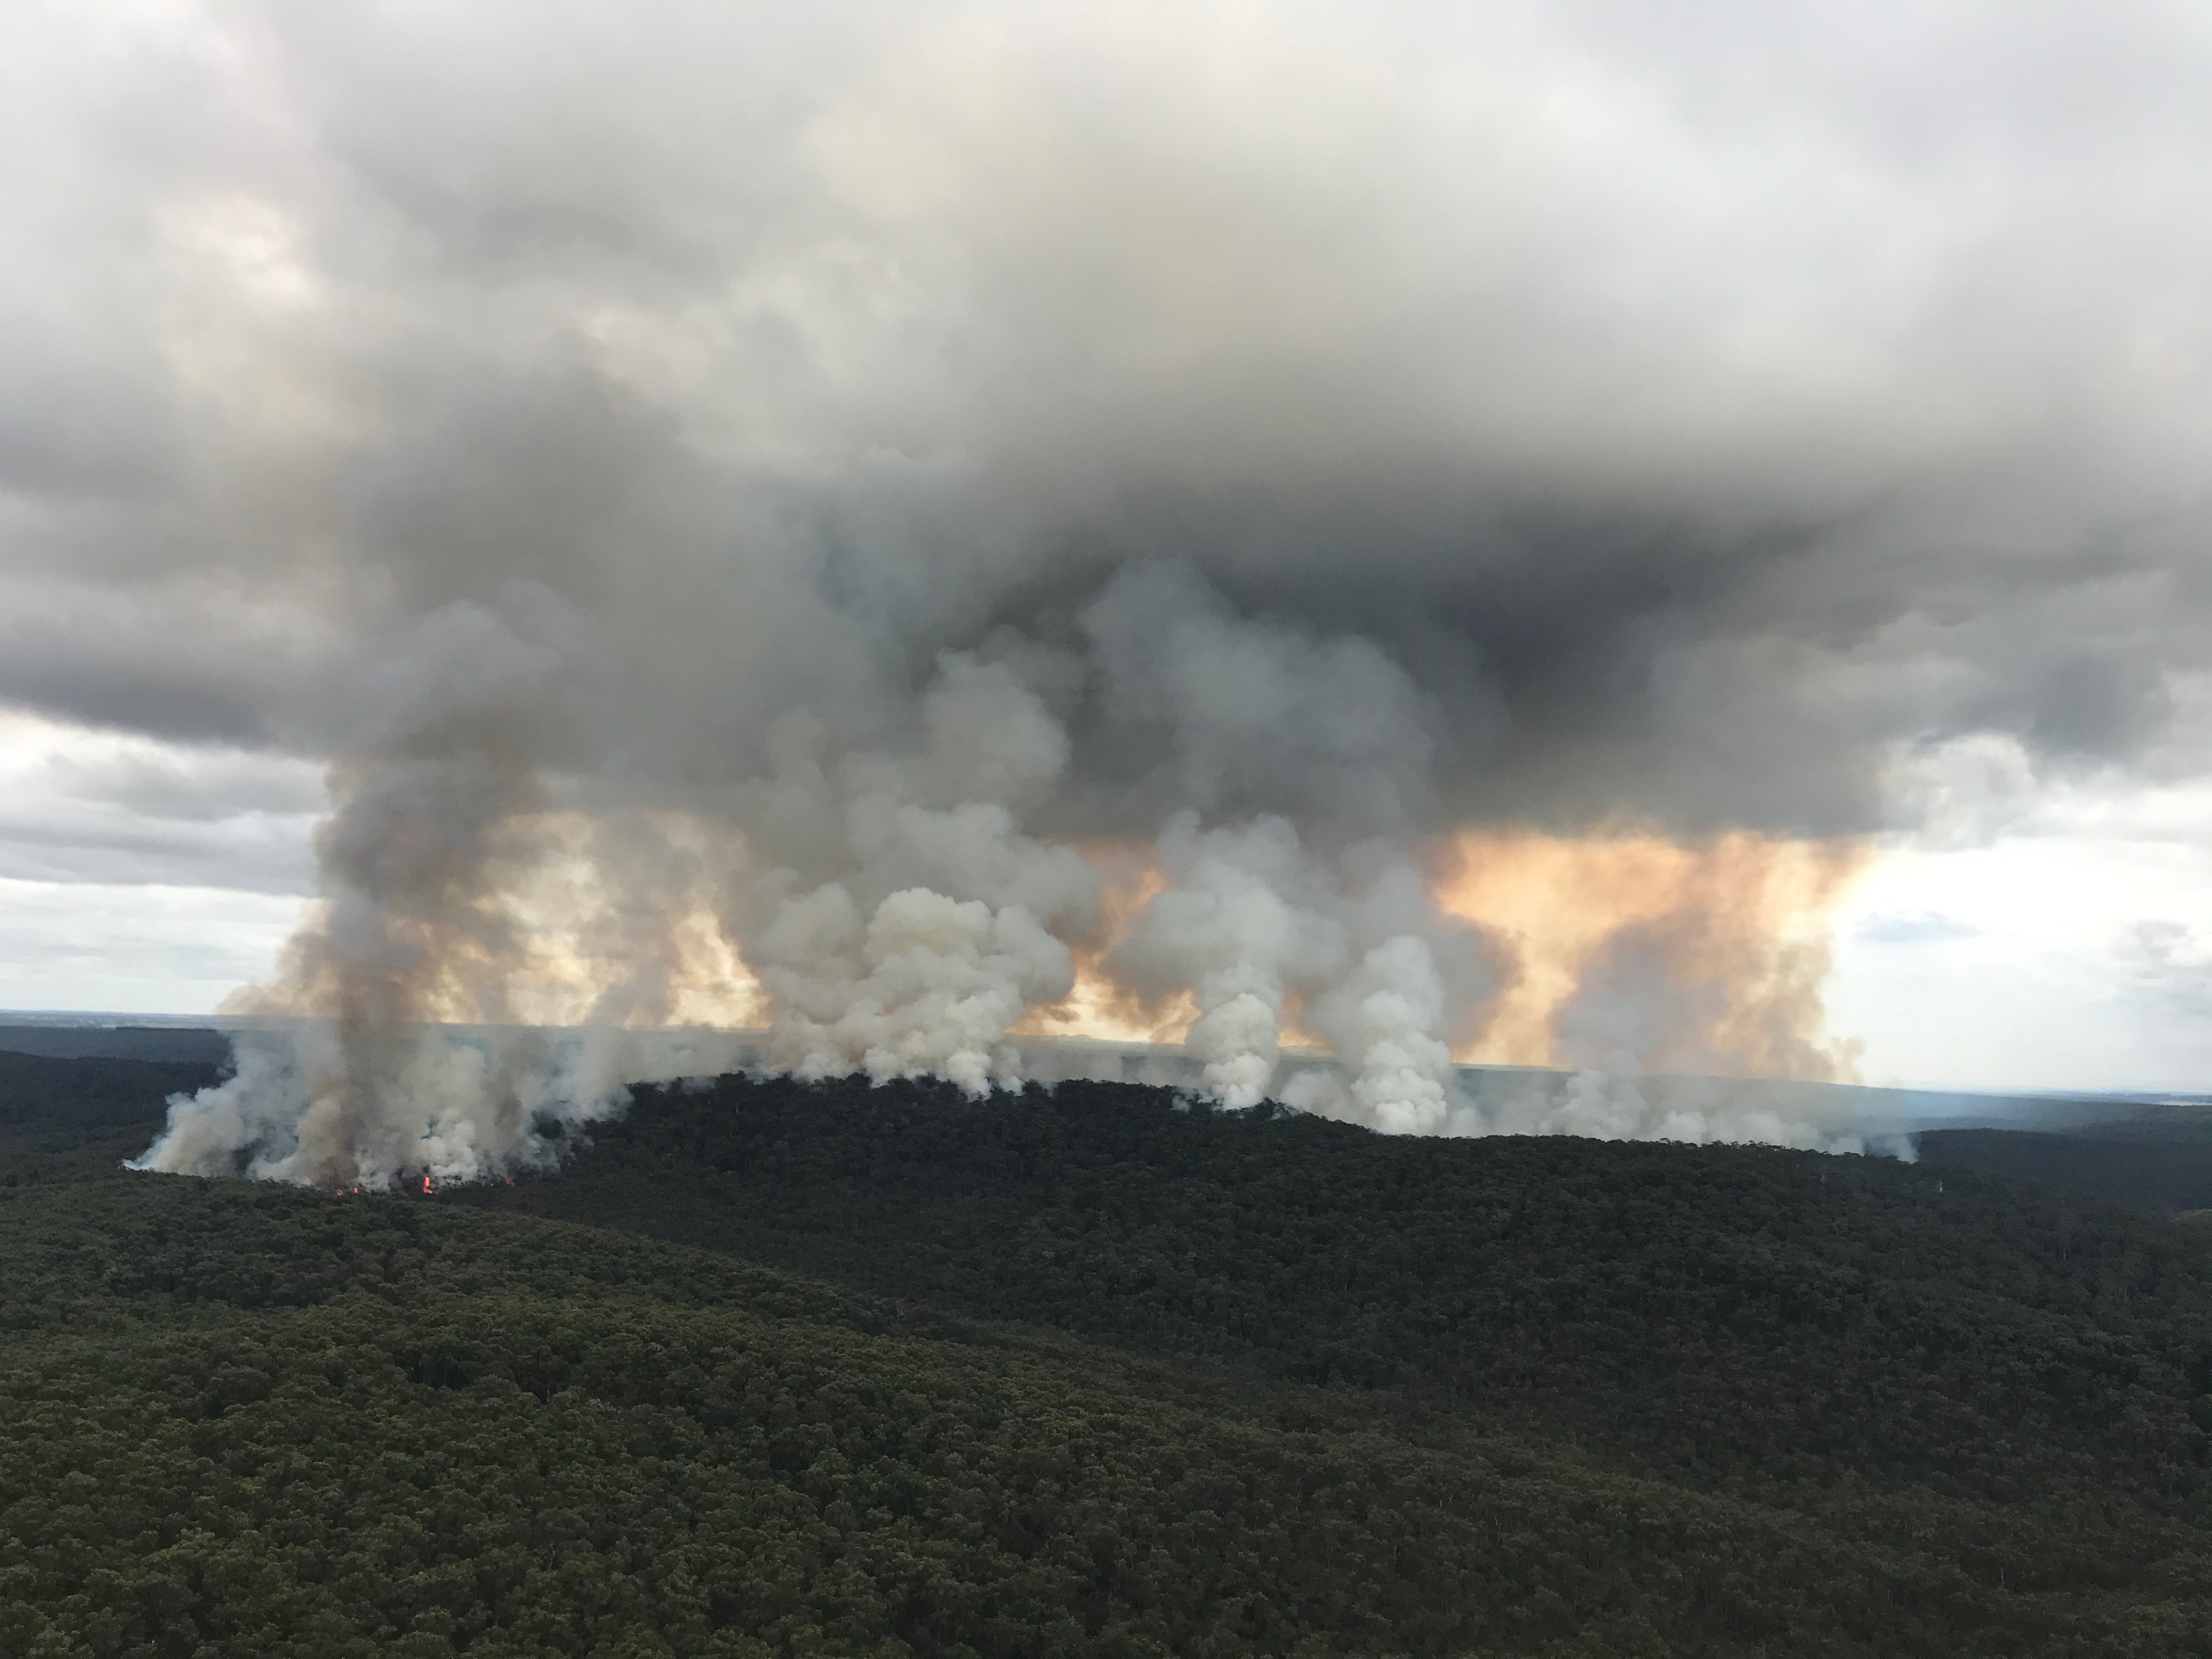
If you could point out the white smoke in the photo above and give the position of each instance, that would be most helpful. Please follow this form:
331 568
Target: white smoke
1423 983
443 736
1384 1020
1242 924
446 1103
1251 923
924 985
1254 923
901 919
934 932
1615 1100
1638 1032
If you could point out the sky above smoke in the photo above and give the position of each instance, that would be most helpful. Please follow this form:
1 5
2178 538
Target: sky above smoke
907 445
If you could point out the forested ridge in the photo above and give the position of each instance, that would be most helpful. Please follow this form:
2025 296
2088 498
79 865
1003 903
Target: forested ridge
2164 1163
778 1369
44 1091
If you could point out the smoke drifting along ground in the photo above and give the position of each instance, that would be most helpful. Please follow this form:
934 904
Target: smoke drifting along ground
907 529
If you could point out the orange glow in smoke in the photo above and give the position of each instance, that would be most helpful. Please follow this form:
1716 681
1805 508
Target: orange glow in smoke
1740 919
1098 1007
1744 915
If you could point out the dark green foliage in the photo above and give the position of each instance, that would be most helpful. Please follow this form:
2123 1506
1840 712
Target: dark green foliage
41 1091
1727 1313
199 1044
1101 1377
2165 1165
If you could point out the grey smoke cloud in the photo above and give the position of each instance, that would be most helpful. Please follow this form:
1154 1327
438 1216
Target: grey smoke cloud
1257 715
1652 409
1369 421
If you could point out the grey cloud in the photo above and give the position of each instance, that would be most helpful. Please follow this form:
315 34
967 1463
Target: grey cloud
1654 498
1913 928
179 660
173 951
256 856
104 812
194 787
2171 968
1260 716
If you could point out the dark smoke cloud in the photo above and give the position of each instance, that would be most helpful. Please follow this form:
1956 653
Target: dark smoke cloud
1680 421
1344 423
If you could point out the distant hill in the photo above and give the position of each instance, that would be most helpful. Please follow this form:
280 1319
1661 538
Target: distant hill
42 1091
2159 1163
201 1045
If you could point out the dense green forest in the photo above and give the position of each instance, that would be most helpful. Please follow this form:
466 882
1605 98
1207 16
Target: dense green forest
775 1368
201 1045
2158 1161
40 1091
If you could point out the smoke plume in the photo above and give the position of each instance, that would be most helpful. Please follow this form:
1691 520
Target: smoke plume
899 529
915 925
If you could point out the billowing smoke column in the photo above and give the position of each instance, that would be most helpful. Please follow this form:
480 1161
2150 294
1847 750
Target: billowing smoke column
887 527
1252 919
412 926
900 920
915 924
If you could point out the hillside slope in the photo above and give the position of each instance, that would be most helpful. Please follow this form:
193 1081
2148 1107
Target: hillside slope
1095 1377
2156 1165
42 1091
1722 1314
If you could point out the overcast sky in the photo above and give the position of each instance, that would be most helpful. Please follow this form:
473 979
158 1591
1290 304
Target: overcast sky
1786 417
